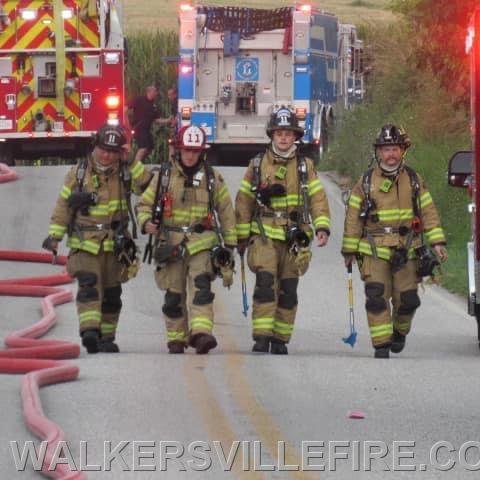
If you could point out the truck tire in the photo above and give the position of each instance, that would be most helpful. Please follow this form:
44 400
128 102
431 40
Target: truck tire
6 155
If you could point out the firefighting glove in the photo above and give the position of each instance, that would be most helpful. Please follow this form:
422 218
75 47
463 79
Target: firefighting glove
223 264
227 275
50 244
302 260
265 193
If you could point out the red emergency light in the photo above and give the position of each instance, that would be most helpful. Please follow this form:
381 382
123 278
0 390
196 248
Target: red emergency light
186 69
112 101
301 113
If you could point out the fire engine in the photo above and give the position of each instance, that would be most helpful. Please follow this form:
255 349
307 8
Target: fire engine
464 170
61 75
238 65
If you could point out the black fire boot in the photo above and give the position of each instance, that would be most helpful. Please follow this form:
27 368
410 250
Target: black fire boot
175 346
203 342
108 346
90 339
278 347
382 351
398 342
262 344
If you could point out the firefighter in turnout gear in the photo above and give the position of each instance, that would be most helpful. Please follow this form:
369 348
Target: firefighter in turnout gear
391 223
279 201
187 208
93 209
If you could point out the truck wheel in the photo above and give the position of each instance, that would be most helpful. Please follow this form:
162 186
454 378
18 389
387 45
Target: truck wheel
6 155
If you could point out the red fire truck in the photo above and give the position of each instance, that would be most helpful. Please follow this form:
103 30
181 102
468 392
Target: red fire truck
464 170
61 75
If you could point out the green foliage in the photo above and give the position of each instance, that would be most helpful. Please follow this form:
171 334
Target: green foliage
146 65
440 28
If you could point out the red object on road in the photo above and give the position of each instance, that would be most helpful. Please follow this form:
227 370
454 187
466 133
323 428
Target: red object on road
40 359
7 174
356 415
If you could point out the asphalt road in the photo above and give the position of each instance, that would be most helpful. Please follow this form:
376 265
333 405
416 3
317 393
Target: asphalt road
242 407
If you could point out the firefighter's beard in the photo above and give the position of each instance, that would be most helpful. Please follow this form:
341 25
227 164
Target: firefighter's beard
284 153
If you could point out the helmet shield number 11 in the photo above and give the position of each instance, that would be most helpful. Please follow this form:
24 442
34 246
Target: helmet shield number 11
191 138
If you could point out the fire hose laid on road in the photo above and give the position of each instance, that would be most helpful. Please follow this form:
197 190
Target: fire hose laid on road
40 360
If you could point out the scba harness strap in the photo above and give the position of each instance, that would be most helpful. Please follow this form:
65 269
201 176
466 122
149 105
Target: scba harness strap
369 205
302 192
125 182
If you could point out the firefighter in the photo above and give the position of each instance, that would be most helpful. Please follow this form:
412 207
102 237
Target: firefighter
279 201
93 209
389 221
187 208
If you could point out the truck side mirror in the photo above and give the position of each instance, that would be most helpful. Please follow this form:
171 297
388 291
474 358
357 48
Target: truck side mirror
460 169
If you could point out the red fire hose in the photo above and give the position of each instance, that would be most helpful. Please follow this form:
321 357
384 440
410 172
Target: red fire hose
39 359
7 174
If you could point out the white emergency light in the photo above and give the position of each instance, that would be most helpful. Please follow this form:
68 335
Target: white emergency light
186 69
112 58
469 40
67 14
305 9
186 7
113 120
28 14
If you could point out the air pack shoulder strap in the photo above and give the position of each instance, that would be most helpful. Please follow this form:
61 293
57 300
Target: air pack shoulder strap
257 176
81 172
126 181
415 185
213 213
303 187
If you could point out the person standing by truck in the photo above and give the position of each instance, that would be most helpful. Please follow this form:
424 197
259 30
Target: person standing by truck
389 221
142 113
279 201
